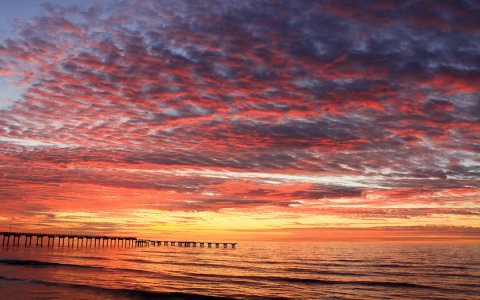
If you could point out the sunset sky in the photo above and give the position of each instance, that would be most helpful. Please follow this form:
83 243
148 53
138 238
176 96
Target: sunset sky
237 120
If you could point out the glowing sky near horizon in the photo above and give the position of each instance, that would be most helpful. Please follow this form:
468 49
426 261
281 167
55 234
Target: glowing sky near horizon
241 119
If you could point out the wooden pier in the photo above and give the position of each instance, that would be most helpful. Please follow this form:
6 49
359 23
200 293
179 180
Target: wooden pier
88 241
147 243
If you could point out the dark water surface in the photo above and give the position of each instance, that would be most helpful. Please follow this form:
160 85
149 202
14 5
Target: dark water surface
252 271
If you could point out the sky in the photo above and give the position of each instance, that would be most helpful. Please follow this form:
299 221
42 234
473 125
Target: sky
241 120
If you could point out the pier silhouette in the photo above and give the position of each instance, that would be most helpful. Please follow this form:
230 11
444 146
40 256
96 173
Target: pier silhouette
96 241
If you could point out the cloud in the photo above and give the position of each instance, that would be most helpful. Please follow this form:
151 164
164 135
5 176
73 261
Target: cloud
306 106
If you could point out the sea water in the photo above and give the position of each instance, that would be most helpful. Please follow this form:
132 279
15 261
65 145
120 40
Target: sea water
255 270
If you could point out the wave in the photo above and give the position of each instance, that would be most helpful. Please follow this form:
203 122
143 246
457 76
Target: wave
415 273
37 263
353 260
412 266
375 273
194 264
316 281
319 272
124 293
83 257
44 264
450 267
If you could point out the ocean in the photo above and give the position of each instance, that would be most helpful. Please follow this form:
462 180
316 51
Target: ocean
255 270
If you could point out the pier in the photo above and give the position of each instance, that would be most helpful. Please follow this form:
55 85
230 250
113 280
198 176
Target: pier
148 243
49 240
